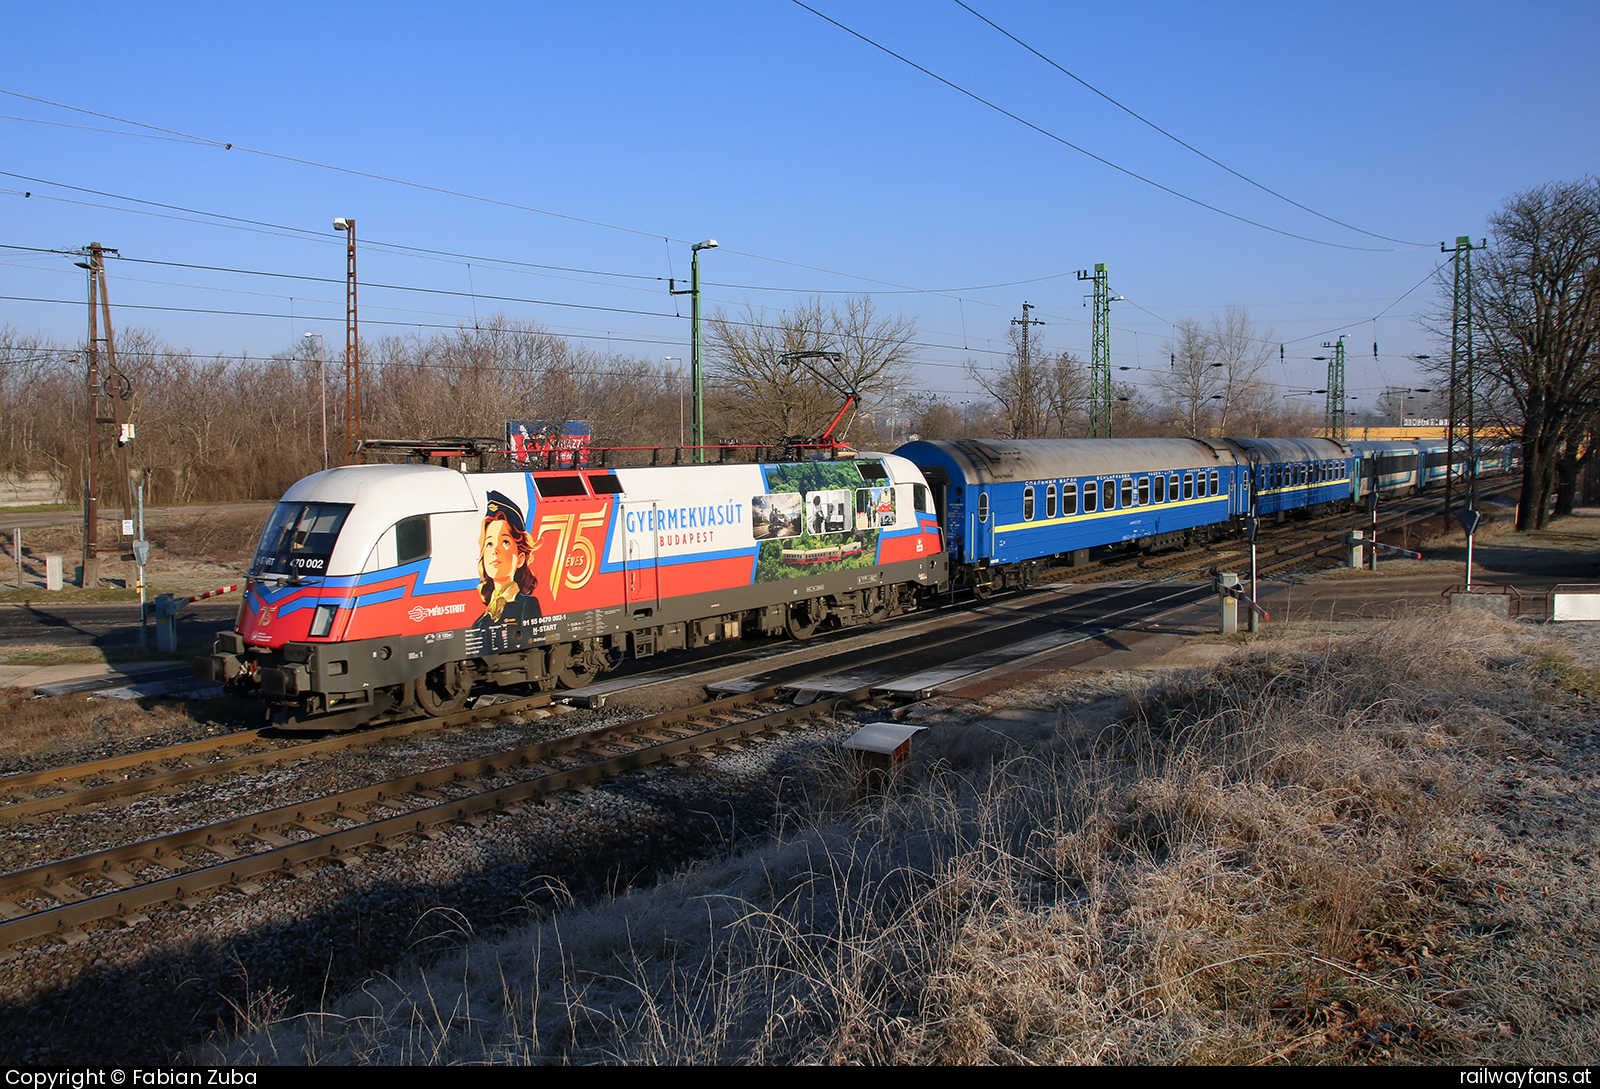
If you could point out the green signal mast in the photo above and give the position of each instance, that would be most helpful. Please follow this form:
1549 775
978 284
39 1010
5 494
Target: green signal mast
1461 400
1334 423
1100 355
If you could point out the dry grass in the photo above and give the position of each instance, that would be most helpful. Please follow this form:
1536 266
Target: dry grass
190 550
41 728
1293 858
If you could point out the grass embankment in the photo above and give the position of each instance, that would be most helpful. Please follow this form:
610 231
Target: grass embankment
1318 852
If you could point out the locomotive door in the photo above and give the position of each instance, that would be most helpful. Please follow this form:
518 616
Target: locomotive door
640 581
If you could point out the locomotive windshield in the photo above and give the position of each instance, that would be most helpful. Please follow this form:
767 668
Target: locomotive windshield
299 539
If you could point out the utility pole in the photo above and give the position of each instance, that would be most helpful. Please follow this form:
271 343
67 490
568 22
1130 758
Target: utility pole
696 367
1100 355
1334 422
1025 388
116 388
1460 361
322 383
352 348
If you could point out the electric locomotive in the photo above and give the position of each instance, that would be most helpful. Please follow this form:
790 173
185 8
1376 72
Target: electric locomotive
383 591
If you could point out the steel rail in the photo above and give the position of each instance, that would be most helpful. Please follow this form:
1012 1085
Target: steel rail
656 743
344 742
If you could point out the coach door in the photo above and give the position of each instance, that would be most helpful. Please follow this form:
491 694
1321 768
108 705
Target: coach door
982 536
640 580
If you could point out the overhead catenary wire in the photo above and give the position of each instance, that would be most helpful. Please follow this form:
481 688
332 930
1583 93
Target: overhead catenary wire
1145 120
1085 151
462 323
462 320
229 146
260 226
507 264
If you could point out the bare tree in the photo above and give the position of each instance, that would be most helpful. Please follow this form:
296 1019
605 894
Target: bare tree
1537 291
1067 385
1022 387
1191 382
768 397
1213 384
933 417
1243 354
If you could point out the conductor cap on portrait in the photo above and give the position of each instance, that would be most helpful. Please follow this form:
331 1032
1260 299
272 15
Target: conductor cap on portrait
504 505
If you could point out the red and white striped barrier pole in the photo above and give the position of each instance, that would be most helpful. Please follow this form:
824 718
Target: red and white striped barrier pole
214 593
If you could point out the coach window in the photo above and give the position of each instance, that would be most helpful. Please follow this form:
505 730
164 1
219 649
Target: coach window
1172 488
1144 491
1069 498
1127 492
1108 495
1091 494
1050 501
1161 489
1027 503
983 506
1216 477
1188 485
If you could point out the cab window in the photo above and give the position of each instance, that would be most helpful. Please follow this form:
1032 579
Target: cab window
411 541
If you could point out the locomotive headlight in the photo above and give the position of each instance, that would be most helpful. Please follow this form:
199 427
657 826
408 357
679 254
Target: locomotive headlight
322 620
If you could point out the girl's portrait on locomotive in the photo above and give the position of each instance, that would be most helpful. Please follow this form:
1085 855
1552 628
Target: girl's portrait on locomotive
504 551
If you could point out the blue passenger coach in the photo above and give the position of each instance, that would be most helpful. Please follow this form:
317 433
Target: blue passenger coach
1005 505
1293 475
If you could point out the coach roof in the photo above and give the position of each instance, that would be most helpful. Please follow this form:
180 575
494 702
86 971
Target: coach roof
987 461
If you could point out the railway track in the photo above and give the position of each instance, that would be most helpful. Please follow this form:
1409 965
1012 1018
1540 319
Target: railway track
33 794
57 898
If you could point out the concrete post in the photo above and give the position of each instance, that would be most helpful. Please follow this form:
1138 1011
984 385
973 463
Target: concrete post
52 573
166 608
1354 541
1227 584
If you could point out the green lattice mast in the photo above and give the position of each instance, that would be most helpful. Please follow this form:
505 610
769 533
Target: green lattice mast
1460 362
1100 356
1334 424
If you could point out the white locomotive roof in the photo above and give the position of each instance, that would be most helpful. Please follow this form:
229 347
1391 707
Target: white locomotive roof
406 488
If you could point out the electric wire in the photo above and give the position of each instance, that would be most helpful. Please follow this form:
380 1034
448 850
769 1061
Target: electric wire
1084 151
1177 140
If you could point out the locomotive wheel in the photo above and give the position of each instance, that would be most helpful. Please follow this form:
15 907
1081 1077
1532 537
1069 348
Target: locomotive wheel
805 617
878 600
443 691
571 671
981 590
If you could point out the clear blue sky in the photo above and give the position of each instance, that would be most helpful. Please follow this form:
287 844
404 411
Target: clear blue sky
761 125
